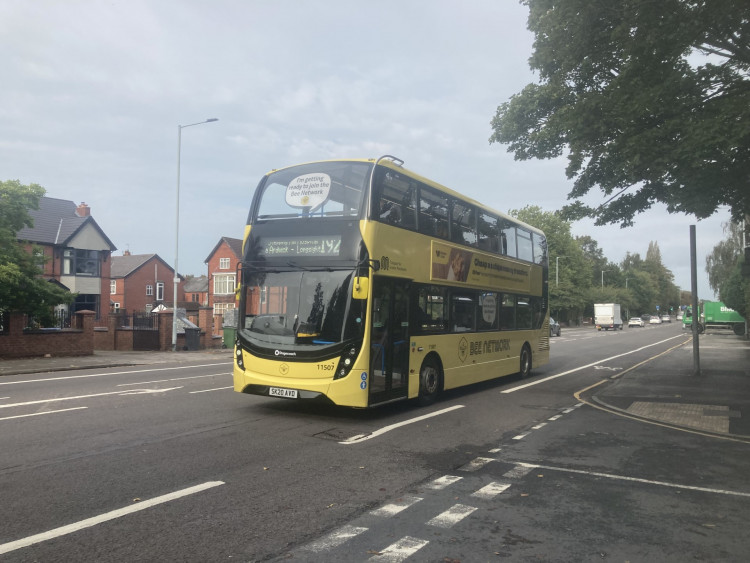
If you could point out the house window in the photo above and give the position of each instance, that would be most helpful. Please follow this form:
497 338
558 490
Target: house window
112 287
223 284
223 263
81 262
149 290
160 291
116 306
221 308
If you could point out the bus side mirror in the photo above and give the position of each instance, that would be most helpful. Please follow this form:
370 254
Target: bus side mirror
361 287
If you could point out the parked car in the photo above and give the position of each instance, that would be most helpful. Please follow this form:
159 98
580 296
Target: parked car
679 316
655 320
666 319
636 321
646 318
554 327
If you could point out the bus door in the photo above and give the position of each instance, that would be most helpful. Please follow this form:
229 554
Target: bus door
389 342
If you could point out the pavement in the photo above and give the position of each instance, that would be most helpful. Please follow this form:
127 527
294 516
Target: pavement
667 389
110 358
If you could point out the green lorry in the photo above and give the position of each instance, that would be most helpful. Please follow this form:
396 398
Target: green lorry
714 314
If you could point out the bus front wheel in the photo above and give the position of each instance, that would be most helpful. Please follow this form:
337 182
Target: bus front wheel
525 368
430 383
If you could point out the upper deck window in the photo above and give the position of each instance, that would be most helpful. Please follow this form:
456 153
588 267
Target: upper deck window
322 189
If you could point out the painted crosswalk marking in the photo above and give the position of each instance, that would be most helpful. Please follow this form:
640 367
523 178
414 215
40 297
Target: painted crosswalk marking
517 472
396 507
454 514
442 482
475 464
336 538
402 549
491 491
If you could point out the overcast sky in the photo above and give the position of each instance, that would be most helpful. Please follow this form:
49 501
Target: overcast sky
93 92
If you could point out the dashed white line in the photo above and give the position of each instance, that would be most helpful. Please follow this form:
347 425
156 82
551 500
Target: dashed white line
490 491
89 522
545 379
42 413
450 517
538 426
208 390
396 507
475 464
109 373
402 549
520 470
520 436
442 482
336 538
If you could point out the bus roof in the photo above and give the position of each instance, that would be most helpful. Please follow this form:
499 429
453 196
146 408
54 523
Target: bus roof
390 164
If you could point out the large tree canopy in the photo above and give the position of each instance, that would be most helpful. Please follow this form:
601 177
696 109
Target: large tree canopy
21 287
649 99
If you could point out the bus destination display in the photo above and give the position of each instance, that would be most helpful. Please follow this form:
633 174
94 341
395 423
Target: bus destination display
302 246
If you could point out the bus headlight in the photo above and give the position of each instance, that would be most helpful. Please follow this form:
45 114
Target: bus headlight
238 357
346 362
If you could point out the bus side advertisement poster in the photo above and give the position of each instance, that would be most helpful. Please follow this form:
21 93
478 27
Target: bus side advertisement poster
450 263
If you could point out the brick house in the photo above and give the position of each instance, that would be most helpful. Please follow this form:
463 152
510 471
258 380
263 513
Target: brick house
196 290
223 277
142 282
76 249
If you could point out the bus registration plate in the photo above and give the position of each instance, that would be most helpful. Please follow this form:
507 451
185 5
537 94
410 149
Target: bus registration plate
280 392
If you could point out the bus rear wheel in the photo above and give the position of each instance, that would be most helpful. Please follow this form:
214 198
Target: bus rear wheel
525 365
430 383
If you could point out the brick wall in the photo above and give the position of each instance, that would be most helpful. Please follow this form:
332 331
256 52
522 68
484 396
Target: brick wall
78 341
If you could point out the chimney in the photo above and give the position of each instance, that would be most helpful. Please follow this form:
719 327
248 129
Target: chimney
126 253
83 210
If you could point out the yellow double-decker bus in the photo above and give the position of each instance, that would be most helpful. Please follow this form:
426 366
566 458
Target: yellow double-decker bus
364 283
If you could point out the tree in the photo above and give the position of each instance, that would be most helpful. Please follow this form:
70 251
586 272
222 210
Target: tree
21 288
570 283
724 268
649 99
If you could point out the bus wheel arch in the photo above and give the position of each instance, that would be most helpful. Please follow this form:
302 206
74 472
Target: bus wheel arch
525 361
430 380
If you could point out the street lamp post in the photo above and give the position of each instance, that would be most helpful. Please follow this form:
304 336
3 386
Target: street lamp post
603 277
177 231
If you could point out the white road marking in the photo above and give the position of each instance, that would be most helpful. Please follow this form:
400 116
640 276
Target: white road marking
452 516
110 373
545 379
41 413
520 470
490 491
172 379
520 436
362 437
42 401
531 466
89 522
442 482
402 549
396 507
208 390
335 539
147 391
555 417
538 426
475 464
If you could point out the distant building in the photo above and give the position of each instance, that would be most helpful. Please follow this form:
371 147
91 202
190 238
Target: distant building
142 282
222 276
196 290
76 249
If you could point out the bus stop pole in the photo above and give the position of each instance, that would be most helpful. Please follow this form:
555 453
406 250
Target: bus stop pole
696 312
